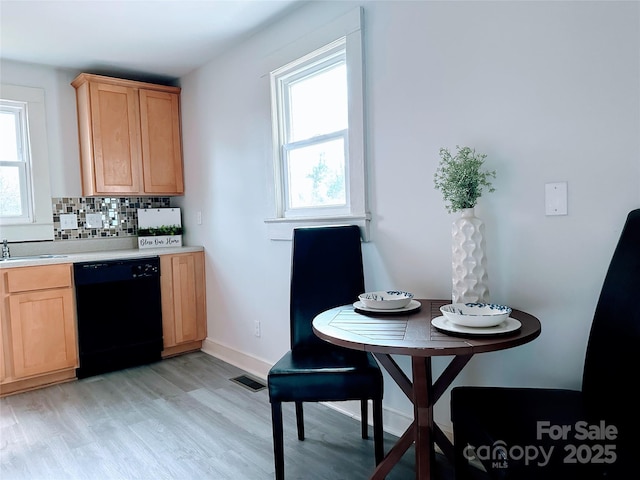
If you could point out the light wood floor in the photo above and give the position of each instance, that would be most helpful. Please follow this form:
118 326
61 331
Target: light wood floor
180 418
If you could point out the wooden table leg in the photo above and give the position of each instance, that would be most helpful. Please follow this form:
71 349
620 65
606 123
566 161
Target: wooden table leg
396 373
423 393
439 387
395 454
406 440
423 415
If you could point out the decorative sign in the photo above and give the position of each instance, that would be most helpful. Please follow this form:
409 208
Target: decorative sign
159 227
161 241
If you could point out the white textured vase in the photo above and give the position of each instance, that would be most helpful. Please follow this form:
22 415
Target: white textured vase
469 262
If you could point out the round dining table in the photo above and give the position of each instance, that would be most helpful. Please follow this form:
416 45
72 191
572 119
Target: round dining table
410 332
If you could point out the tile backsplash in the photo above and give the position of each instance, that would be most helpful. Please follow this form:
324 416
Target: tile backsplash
119 215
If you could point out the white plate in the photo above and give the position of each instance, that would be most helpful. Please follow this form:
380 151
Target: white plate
508 326
413 305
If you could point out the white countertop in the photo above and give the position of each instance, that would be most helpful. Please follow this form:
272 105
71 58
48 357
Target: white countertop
34 260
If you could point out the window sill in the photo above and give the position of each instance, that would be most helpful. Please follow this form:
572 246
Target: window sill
282 228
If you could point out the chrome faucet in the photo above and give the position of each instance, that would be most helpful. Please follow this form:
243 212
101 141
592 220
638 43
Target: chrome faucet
6 253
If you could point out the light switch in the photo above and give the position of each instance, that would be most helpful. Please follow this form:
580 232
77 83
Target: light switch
555 198
94 220
68 221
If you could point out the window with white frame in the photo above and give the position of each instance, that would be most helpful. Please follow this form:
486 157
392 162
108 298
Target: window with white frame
25 190
318 137
312 129
15 163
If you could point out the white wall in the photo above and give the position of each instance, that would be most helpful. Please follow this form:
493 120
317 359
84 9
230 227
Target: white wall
548 90
62 123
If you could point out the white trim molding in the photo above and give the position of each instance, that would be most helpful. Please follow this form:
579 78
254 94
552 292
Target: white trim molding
41 225
347 29
282 228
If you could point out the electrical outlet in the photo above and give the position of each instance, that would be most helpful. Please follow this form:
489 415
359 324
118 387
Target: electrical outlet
68 221
256 328
94 220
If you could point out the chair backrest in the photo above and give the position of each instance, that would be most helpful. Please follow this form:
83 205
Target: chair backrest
326 272
610 374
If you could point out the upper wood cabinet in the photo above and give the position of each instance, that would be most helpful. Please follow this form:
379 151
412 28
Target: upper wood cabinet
130 142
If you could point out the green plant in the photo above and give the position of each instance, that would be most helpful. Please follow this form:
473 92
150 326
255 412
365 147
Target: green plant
461 179
160 231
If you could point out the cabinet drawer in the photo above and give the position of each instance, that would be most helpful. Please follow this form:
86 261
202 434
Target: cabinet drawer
27 279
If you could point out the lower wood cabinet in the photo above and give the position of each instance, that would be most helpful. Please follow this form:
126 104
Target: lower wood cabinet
38 334
184 317
38 343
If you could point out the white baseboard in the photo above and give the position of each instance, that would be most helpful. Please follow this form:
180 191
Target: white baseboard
250 364
394 422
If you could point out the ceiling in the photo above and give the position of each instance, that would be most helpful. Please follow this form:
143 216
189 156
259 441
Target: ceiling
154 38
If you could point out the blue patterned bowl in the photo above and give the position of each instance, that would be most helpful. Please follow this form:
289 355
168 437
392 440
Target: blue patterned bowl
387 300
476 314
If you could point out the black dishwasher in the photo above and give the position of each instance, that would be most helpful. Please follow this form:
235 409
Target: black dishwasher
119 314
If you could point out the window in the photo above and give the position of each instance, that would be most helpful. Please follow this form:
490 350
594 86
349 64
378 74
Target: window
312 126
25 191
318 136
15 163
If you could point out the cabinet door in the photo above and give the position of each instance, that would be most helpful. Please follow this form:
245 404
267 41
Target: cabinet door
43 331
161 146
115 124
3 370
183 298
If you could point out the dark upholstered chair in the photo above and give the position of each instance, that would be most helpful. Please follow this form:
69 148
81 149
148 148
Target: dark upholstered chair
326 272
503 418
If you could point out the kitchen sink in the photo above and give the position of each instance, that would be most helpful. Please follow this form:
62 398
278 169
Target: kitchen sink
32 257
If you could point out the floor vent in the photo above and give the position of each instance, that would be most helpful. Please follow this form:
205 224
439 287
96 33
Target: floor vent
250 383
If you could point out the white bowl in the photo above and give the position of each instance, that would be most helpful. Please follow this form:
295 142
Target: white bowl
476 314
387 300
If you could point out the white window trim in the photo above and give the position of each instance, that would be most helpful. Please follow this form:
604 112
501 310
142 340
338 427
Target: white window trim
281 80
41 225
348 27
23 163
